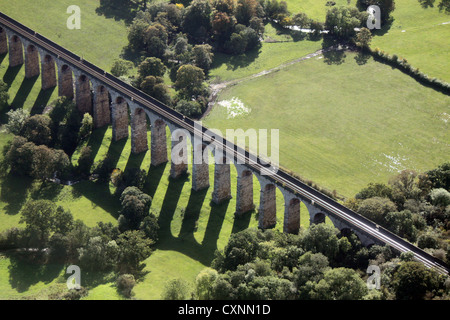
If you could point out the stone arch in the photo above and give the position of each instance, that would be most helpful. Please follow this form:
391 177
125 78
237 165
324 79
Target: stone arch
267 206
83 94
222 179
65 81
139 141
180 150
48 67
200 165
3 41
319 218
31 62
158 142
291 214
15 51
120 118
101 109
244 190
346 232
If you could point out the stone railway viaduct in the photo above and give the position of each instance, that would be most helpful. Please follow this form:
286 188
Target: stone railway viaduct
112 102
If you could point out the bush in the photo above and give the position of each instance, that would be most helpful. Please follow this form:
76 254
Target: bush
4 96
104 169
85 161
125 284
76 294
16 120
87 125
188 108
36 129
376 209
427 240
175 289
440 197
121 67
404 66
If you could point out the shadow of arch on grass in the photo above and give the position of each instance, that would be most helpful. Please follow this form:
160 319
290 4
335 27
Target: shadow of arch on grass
23 92
185 242
154 177
42 101
11 74
2 57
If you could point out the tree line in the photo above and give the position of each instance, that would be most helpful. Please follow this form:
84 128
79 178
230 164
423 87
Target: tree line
322 262
182 38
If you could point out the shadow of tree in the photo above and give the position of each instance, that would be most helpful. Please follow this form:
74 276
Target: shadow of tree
14 192
118 10
23 274
298 36
361 58
426 3
92 279
332 56
384 28
131 55
47 191
234 62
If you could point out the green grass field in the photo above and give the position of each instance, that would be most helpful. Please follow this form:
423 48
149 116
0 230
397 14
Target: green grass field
269 55
347 124
315 9
420 35
100 40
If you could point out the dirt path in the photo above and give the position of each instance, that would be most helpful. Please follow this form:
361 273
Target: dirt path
217 88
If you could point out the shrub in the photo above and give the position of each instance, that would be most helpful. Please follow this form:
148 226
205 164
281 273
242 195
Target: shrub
404 65
76 294
125 284
16 120
427 240
87 124
440 197
175 289
121 67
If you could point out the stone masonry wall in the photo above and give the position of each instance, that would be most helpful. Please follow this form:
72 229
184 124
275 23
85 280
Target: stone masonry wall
31 62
